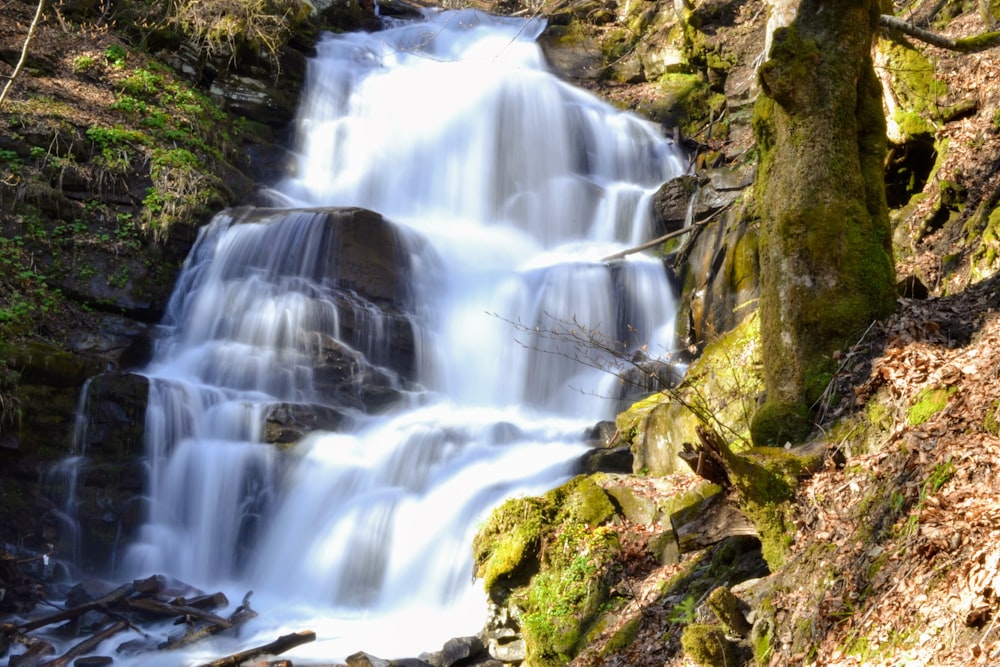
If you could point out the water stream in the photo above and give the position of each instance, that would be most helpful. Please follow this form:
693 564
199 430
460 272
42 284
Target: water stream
504 187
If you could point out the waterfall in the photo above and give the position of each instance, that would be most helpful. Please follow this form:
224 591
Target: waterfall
408 334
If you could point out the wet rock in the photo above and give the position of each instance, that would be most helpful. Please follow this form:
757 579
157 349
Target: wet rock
461 651
286 423
718 269
410 662
672 204
615 460
507 646
571 54
362 659
343 376
39 363
116 416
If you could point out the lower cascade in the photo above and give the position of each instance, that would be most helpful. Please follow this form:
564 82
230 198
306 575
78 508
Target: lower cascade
346 383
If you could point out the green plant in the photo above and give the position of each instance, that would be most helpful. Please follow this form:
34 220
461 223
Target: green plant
684 611
84 63
142 82
129 104
116 55
223 27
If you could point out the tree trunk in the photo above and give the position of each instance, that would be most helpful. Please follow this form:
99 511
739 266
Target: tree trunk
826 256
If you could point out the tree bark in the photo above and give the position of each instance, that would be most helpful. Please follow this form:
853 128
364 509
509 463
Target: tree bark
826 250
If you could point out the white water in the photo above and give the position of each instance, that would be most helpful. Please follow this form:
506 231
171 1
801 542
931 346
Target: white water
509 186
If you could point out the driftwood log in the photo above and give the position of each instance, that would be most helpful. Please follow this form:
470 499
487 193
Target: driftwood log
279 645
87 645
241 615
127 607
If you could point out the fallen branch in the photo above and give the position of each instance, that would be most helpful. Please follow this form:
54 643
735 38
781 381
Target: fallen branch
242 614
154 606
974 44
87 645
666 237
37 650
279 645
75 612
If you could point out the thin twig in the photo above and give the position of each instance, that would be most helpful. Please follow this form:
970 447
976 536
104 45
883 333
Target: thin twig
24 52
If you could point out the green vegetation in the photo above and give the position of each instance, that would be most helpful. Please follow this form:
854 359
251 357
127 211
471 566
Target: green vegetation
548 557
706 645
928 403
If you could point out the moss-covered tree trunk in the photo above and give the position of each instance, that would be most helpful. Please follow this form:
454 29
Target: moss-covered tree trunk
826 256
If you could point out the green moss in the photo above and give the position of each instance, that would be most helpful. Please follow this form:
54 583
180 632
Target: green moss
623 637
928 403
548 557
688 101
707 646
726 608
991 423
878 415
565 597
778 423
582 500
911 123
766 479
985 237
917 88
509 541
742 266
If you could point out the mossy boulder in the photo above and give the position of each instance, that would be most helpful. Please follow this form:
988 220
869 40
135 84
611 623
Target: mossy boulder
706 645
917 93
545 559
720 389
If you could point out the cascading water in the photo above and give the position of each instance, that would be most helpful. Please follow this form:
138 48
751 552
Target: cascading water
505 188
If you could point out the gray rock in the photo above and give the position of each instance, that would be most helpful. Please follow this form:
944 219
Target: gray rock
362 659
461 650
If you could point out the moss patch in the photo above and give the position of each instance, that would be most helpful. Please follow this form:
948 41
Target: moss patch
706 645
928 403
826 259
549 557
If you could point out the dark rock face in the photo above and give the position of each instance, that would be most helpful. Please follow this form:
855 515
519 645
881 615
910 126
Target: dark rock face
115 412
672 204
364 261
717 264
286 423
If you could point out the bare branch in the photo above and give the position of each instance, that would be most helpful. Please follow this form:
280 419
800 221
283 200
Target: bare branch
974 44
666 237
24 52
